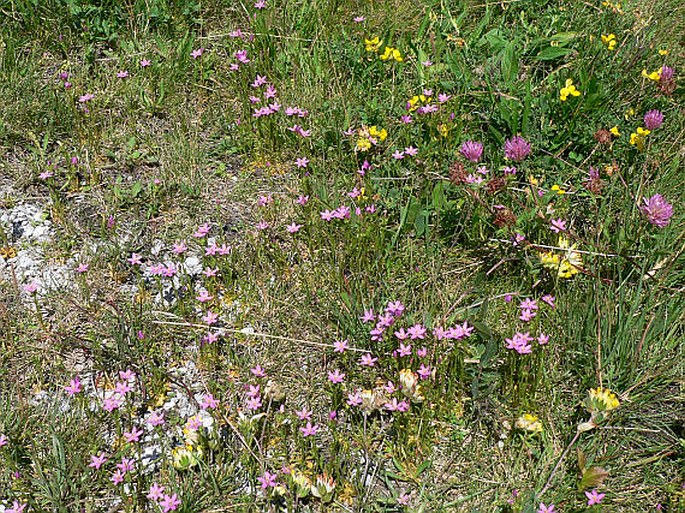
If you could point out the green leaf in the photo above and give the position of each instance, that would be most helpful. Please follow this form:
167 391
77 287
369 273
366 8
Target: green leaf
552 52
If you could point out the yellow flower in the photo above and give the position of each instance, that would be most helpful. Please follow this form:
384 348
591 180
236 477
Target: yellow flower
363 144
558 190
663 51
654 75
373 45
601 400
380 134
391 53
566 264
610 41
568 89
443 130
528 422
614 131
638 138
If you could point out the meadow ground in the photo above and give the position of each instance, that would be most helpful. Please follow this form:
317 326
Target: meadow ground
331 256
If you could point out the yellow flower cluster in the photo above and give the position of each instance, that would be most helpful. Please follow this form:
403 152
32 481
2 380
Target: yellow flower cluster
530 423
373 45
609 41
639 137
568 90
389 54
654 75
370 136
616 7
416 101
601 400
566 264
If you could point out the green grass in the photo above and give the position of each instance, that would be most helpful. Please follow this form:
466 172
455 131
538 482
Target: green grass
175 145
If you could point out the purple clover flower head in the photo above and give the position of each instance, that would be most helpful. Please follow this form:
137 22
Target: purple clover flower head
516 148
657 210
666 74
653 119
471 150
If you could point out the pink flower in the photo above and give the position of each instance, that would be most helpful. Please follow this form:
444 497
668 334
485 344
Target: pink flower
204 296
368 316
86 98
302 200
398 155
546 509
3 440
112 403
354 399
471 150
303 414
126 465
17 507
155 419
74 386
253 403
657 210
358 19
336 377
527 315
558 225
97 461
127 375
404 350
594 497
520 343
122 388
258 81
210 318
293 228
395 308
549 299
309 429
241 56
122 74
417 331
653 119
401 334
118 477
528 304
135 259
31 288
258 371
340 346
197 53
516 148
424 371
133 435
202 230
209 402
302 162
268 480
367 360
411 151
156 492
145 63
170 503
543 339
